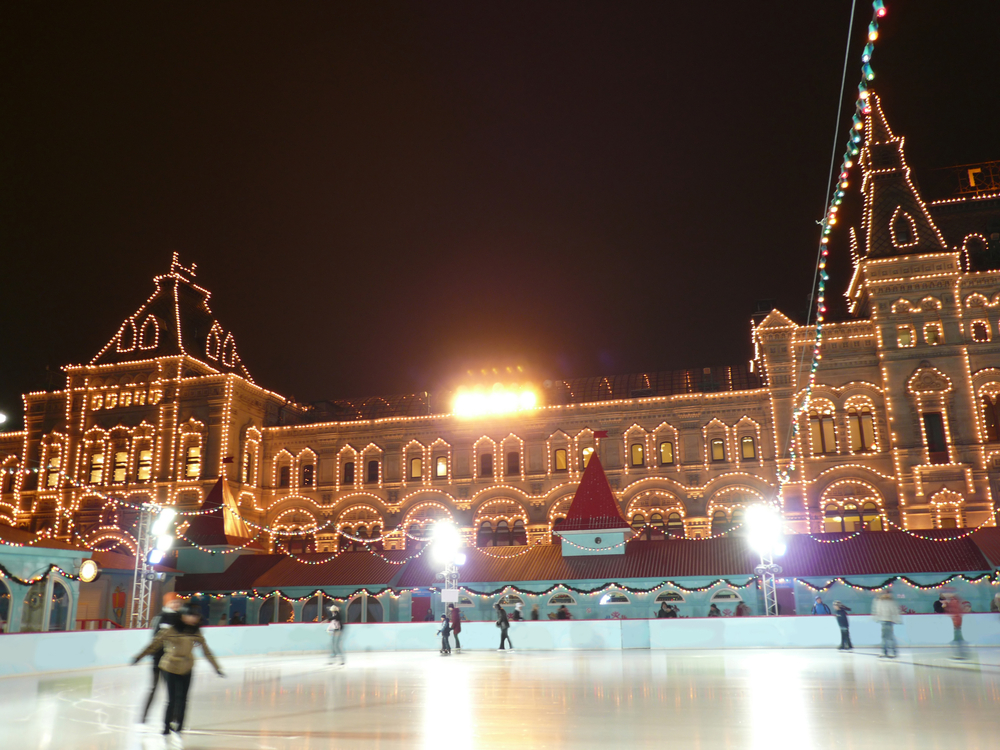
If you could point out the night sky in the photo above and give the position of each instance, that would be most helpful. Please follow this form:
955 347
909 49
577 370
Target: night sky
382 196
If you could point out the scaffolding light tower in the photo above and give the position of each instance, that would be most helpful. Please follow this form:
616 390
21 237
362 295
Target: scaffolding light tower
765 535
142 580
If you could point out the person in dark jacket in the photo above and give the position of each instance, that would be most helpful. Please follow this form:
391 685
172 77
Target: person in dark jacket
169 616
673 611
534 612
444 632
714 611
563 614
840 611
429 617
743 610
504 624
663 611
939 605
456 624
177 643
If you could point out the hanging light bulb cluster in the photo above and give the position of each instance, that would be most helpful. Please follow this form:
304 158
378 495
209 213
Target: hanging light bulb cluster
862 109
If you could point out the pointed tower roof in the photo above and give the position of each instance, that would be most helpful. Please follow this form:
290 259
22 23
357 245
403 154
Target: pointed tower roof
594 506
896 220
175 321
226 527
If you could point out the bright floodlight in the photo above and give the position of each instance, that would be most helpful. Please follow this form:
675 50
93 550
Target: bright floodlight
3 417
499 400
764 529
445 542
460 558
163 520
164 542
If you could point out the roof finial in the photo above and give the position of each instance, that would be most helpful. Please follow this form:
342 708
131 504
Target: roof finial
176 269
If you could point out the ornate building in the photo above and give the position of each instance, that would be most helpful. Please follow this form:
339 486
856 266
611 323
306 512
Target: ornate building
903 428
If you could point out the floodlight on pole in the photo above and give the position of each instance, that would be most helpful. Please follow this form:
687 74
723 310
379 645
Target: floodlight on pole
764 533
446 545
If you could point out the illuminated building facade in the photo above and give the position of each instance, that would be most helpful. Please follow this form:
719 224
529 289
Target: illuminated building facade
903 426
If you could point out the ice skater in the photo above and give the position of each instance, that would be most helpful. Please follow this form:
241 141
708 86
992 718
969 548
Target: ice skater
504 624
953 606
456 624
840 610
170 615
177 646
336 631
444 632
885 611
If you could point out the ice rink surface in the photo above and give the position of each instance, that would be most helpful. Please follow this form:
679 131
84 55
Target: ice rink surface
694 700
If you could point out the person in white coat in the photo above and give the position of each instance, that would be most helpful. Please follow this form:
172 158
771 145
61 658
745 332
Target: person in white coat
886 611
336 631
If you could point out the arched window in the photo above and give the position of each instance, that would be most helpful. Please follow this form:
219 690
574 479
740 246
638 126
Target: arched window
718 450
314 610
265 614
510 600
560 600
33 608
737 518
586 454
833 521
513 463
559 460
657 526
486 466
503 534
615 597
638 522
416 539
852 518
675 524
52 476
637 455
871 517
520 534
247 473
861 426
669 596
192 462
121 464
991 415
720 522
822 432
285 475
748 449
980 331
416 468
308 472
484 537
96 467
441 467
372 471
666 453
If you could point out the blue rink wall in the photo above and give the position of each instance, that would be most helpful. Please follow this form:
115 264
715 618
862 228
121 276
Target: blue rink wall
44 652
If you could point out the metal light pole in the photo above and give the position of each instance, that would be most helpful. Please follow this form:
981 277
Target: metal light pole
153 539
765 536
446 542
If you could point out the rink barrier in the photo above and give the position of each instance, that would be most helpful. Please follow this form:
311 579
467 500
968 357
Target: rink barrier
25 653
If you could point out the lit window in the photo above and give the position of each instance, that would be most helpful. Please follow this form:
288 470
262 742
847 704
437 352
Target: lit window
935 437
614 598
720 522
675 524
638 522
587 453
932 334
637 455
308 472
192 463
852 518
991 415
416 468
441 467
560 459
145 465
372 476
246 472
904 336
748 448
513 463
862 428
53 474
824 437
486 465
96 467
666 454
980 331
121 465
718 450
484 537
871 517
285 475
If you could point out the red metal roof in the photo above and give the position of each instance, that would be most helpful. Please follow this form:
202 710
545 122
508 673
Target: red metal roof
241 575
348 569
988 541
594 506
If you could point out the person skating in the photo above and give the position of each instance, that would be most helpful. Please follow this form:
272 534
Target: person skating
714 611
663 611
534 612
820 607
177 645
170 615
743 610
885 611
456 624
504 624
563 613
939 604
953 606
840 611
444 632
336 631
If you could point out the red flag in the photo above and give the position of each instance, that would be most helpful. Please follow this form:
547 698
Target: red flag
601 433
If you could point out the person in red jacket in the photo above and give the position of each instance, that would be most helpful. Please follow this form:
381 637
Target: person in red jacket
456 624
954 608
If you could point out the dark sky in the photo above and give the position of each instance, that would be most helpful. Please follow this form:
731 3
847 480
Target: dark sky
385 194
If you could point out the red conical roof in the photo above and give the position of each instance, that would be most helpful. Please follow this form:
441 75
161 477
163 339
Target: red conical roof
594 505
226 526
